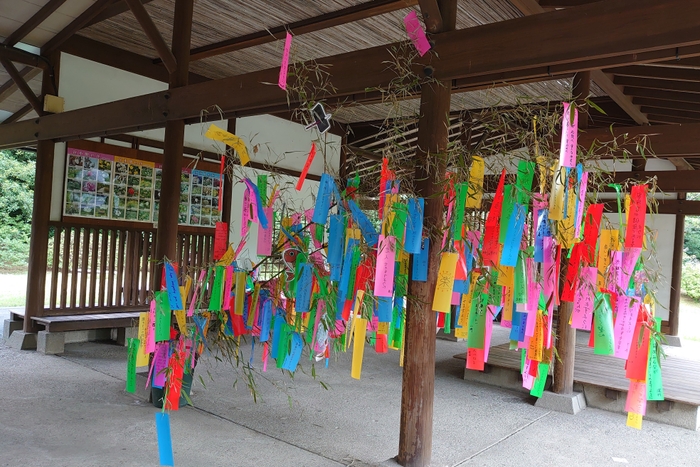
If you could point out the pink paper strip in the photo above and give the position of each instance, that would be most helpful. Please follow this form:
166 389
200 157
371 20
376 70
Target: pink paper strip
416 33
548 323
245 214
629 260
637 398
227 288
265 235
584 299
488 332
550 279
282 82
190 311
569 138
474 237
384 275
151 336
615 271
456 298
626 309
528 380
533 291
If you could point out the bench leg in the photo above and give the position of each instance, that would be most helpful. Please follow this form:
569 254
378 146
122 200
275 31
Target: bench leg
123 334
10 326
50 343
21 340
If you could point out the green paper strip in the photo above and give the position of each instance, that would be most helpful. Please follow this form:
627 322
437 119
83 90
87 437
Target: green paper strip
541 380
163 316
131 365
462 190
506 211
398 226
215 300
526 174
477 322
604 342
655 387
262 188
495 290
520 291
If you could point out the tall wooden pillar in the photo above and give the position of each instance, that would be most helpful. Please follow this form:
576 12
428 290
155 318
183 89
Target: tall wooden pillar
676 272
566 335
41 212
166 237
418 386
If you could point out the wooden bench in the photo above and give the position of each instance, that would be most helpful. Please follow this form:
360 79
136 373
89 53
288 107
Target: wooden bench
87 322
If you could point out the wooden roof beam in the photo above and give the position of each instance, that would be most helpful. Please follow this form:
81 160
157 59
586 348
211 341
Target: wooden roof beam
462 53
335 18
665 140
31 24
431 15
675 96
681 163
151 31
658 72
561 3
16 55
77 24
23 86
662 84
605 82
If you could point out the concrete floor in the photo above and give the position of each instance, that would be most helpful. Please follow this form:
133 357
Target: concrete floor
71 410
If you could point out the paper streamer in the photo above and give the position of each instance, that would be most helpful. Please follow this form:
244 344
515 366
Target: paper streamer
416 34
445 282
307 166
220 240
569 137
284 67
384 272
174 297
217 134
165 442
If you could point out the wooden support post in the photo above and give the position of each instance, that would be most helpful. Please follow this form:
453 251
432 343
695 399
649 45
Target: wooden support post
166 236
563 382
676 272
41 212
418 385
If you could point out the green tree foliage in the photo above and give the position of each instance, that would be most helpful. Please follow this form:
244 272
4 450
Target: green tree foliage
16 200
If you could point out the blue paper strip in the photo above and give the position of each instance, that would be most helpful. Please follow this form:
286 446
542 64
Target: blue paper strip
265 320
519 323
174 297
514 234
542 231
420 262
303 292
461 287
347 269
292 358
368 231
384 308
336 240
165 442
414 225
262 218
323 199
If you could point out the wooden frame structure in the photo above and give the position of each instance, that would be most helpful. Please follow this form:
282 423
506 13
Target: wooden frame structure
643 54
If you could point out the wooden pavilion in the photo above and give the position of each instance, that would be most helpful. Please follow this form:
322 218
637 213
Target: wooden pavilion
638 59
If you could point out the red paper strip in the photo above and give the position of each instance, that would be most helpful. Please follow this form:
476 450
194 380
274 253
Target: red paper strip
220 240
305 170
636 367
175 381
591 231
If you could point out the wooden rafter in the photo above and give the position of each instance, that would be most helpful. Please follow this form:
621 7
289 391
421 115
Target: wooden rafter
605 82
663 84
151 31
681 163
22 85
16 55
8 88
31 24
617 94
17 115
431 15
665 140
116 8
691 114
328 20
675 96
658 72
562 3
463 53
77 24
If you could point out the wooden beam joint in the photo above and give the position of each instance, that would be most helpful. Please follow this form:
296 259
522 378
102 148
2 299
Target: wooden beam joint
150 29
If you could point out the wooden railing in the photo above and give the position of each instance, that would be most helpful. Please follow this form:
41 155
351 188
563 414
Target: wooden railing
107 269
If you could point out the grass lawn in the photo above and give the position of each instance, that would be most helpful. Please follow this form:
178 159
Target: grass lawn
13 289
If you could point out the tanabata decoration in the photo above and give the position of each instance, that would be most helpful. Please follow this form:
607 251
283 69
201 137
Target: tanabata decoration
342 276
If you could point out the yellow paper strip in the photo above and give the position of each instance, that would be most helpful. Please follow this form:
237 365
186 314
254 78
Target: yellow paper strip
466 305
556 201
181 321
445 283
634 420
358 349
228 257
475 190
217 134
604 249
141 355
240 293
